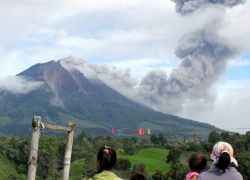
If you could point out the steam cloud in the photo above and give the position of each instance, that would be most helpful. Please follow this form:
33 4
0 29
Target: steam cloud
205 55
18 85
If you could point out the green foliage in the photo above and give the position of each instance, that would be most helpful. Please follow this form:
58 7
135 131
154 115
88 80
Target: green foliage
225 136
178 170
78 169
8 170
244 164
50 157
154 139
174 155
162 163
158 140
162 139
123 164
248 141
158 175
214 137
129 145
15 150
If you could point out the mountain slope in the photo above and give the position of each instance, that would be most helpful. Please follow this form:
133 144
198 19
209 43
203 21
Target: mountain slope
68 95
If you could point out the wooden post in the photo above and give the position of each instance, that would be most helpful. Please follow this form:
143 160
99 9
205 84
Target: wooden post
68 152
36 124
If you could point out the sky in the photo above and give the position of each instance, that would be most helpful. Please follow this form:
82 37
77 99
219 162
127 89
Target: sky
139 35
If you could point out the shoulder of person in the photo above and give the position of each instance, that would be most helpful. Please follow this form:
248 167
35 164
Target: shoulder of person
212 170
106 175
88 178
233 172
236 172
232 169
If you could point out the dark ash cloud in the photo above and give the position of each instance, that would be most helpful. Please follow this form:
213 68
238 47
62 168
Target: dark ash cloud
189 6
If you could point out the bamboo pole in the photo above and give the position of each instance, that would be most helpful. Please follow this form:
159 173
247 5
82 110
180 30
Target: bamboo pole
68 152
57 127
36 124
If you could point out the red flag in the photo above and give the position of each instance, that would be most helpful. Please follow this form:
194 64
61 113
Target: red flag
141 131
113 130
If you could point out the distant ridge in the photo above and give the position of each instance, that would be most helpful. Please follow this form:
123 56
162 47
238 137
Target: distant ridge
69 95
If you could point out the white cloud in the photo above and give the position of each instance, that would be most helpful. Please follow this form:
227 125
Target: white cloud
96 30
230 111
129 34
82 42
18 85
239 63
236 27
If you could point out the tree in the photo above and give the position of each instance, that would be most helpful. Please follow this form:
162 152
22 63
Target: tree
129 146
162 140
195 147
123 164
244 164
174 155
49 157
177 171
154 139
214 137
225 136
248 140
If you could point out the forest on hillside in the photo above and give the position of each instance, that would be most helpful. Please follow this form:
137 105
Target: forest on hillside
163 158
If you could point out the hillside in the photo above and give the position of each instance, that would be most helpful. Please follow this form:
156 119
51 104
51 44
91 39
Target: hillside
95 107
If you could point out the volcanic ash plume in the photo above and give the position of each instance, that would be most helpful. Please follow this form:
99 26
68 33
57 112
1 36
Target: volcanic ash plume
205 56
189 6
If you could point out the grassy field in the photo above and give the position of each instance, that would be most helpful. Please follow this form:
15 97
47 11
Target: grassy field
152 158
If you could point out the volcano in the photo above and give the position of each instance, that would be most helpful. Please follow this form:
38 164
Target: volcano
68 95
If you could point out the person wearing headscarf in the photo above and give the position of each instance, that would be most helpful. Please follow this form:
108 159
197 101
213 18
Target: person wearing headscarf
224 164
105 162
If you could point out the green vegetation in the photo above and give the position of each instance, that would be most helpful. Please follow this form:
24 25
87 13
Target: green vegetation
8 170
162 158
153 158
77 169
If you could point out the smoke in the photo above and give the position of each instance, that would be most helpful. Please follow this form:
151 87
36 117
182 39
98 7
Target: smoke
18 85
189 6
204 55
119 80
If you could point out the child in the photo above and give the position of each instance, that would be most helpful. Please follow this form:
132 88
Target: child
106 160
197 162
139 173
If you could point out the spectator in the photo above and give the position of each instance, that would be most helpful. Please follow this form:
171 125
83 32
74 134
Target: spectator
106 160
224 164
139 173
197 163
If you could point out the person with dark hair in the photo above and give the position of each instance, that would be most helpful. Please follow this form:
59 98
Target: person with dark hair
197 162
139 173
105 162
224 164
